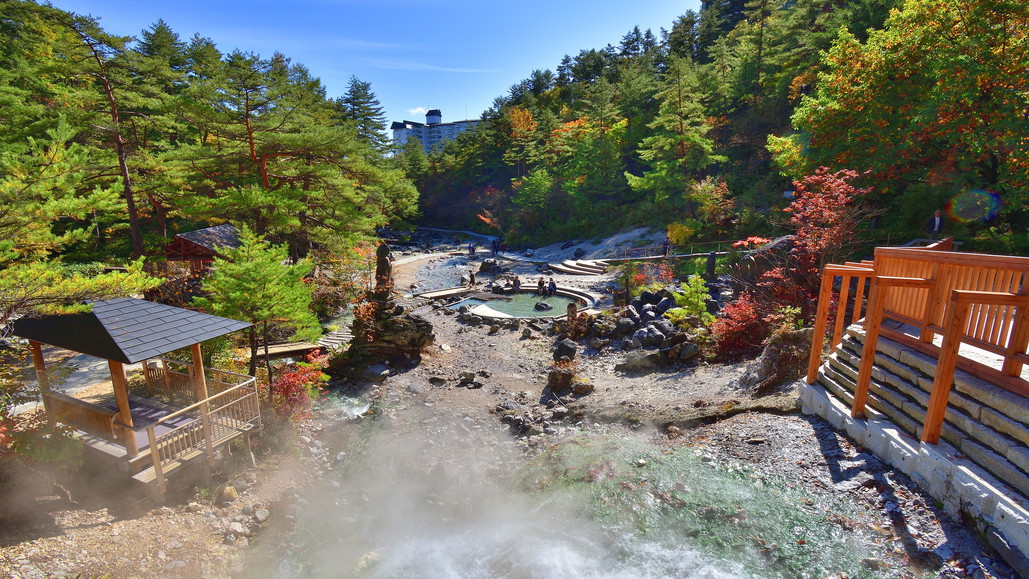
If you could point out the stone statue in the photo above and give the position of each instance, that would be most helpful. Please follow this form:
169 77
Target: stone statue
383 272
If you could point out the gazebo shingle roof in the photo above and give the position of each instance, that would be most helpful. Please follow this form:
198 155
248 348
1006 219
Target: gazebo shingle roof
224 235
126 330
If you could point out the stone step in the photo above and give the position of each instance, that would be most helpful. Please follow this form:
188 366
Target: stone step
899 391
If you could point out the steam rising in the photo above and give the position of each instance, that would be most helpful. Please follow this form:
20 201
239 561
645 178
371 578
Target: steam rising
433 495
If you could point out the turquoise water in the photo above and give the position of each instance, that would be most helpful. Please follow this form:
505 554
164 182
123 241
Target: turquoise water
523 305
424 493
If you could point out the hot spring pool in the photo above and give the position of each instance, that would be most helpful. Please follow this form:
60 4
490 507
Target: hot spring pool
522 305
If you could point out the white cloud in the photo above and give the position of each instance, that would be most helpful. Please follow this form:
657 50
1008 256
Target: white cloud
417 111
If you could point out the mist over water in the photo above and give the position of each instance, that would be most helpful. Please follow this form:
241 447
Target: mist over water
425 492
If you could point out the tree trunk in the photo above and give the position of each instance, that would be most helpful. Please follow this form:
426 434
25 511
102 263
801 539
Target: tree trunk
267 360
119 144
252 335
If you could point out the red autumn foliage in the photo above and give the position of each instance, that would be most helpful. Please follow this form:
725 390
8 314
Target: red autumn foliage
297 386
827 213
739 332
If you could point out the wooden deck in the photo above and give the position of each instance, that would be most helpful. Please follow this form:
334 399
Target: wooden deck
968 311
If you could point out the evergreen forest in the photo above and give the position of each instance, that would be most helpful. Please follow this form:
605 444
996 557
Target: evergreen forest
112 145
704 126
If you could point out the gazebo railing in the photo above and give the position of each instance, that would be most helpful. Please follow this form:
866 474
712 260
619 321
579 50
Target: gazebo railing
222 417
173 379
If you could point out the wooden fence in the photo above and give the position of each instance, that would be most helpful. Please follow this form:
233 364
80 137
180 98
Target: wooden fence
221 418
972 299
173 379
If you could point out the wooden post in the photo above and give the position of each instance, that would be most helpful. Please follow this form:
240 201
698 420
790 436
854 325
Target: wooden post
200 385
44 381
818 338
155 456
1019 340
934 302
121 394
944 377
841 310
873 321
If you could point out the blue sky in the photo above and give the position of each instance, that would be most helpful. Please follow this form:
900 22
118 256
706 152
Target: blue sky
454 55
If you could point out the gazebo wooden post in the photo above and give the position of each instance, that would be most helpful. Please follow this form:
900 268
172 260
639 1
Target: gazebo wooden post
121 394
200 385
41 377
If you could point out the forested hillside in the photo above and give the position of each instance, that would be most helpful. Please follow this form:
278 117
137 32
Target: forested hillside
704 125
112 145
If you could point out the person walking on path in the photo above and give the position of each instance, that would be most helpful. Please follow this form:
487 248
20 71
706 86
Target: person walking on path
934 227
664 248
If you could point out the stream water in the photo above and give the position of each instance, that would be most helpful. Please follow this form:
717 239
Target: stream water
419 491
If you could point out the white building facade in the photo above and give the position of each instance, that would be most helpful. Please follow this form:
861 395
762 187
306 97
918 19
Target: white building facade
432 133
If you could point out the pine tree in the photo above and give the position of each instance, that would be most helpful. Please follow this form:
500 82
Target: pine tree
360 106
253 283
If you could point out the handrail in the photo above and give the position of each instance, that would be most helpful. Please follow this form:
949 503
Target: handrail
975 299
204 401
220 423
961 301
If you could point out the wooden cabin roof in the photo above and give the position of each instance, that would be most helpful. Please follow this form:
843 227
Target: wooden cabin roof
202 243
126 330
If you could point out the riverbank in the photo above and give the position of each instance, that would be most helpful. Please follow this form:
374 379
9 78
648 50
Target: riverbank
459 423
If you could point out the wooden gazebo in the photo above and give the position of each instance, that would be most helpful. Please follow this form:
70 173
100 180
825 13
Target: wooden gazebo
188 410
199 247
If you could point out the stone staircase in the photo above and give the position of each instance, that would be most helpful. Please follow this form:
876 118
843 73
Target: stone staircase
337 340
984 422
580 267
979 468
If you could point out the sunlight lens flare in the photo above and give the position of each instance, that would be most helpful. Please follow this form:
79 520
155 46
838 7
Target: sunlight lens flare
974 205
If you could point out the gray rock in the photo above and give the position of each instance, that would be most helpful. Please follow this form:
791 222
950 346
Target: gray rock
376 373
665 326
649 336
625 326
664 305
640 362
647 297
526 334
542 306
565 349
238 529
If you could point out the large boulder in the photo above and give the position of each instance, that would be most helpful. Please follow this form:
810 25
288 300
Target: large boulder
783 360
649 336
640 362
663 325
559 381
664 305
648 297
565 349
625 326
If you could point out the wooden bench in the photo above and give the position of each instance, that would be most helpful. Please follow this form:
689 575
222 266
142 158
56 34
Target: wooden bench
79 414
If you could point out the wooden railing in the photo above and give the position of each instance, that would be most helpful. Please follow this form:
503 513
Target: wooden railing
222 417
173 379
972 299
719 247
